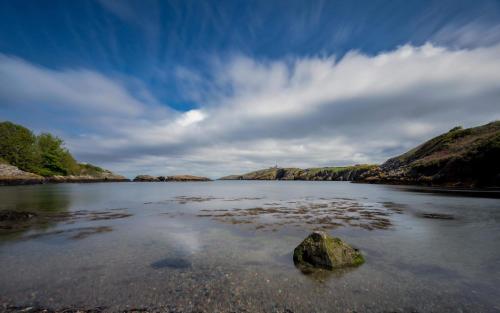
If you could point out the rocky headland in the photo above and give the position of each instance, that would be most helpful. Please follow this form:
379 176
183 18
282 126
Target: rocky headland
466 158
347 173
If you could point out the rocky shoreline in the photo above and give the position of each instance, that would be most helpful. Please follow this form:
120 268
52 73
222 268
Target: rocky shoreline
11 175
461 158
347 173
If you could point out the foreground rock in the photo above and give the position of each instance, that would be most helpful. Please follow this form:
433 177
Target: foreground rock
177 178
319 250
458 158
346 173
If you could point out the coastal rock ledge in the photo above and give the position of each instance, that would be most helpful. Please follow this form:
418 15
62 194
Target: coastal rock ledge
11 175
320 250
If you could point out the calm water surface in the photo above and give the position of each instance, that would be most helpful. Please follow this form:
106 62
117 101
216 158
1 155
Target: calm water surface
227 246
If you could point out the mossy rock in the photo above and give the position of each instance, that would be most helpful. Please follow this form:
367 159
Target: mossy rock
320 250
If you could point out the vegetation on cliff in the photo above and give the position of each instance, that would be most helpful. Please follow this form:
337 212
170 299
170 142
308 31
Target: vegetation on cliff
43 155
461 157
345 173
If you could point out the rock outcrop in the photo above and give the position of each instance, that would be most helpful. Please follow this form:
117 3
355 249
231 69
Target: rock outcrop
460 158
319 250
347 173
181 178
105 176
176 178
11 175
146 178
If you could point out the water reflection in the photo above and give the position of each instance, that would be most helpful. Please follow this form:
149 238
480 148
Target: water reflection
35 199
175 246
38 209
28 207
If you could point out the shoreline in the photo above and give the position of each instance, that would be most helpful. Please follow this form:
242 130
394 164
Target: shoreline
445 188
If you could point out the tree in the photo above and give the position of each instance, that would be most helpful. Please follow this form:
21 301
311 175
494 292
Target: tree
44 154
55 159
17 146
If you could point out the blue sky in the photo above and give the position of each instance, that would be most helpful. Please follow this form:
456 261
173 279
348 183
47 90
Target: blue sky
217 87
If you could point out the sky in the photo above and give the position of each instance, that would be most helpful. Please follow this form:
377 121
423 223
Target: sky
224 87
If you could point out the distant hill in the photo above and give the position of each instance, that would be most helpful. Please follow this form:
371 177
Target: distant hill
461 157
346 173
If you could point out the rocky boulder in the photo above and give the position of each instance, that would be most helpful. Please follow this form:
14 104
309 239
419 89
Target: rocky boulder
319 250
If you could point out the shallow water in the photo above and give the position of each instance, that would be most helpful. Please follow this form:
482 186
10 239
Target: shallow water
226 246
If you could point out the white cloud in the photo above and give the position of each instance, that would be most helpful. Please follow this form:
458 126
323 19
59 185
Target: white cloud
314 111
25 84
191 117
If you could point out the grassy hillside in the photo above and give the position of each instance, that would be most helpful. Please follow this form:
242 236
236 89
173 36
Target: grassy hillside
461 157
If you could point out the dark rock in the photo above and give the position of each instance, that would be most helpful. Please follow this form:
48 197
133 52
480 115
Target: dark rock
319 250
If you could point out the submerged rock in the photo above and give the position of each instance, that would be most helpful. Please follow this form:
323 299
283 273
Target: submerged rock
320 250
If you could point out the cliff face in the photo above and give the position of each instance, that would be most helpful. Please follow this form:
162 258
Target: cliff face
461 157
348 173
